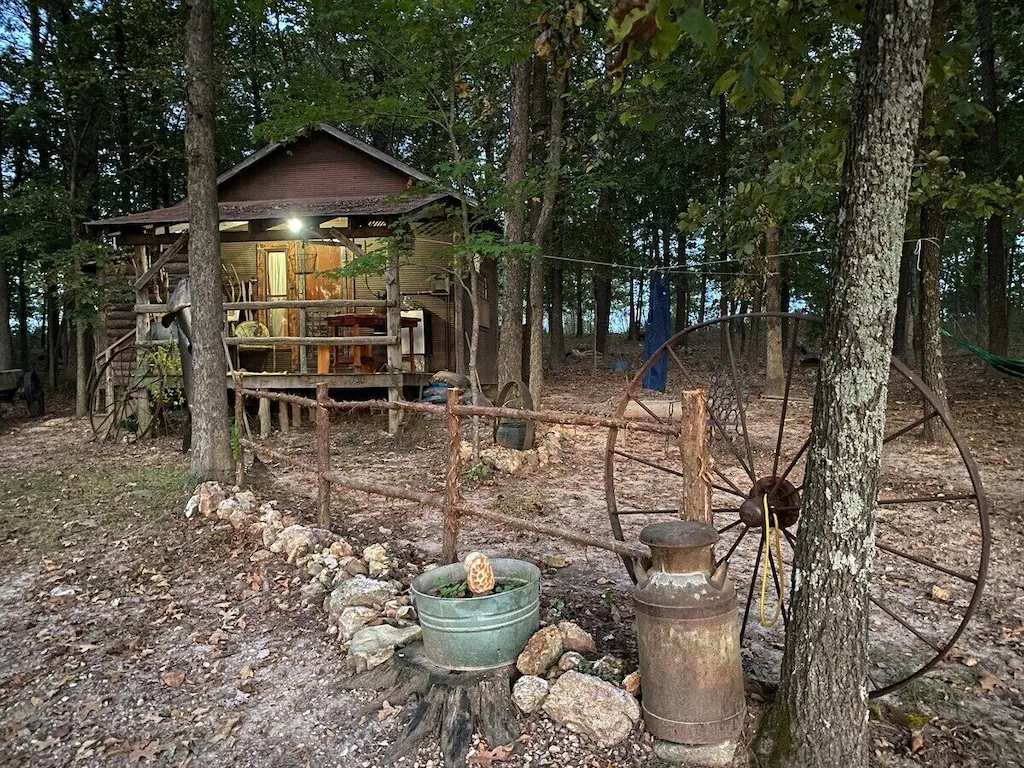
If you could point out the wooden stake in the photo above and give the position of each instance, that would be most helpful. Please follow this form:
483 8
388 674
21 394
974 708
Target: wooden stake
282 416
239 429
264 418
296 415
695 499
453 493
323 459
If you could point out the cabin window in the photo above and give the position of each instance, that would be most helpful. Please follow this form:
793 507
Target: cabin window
277 290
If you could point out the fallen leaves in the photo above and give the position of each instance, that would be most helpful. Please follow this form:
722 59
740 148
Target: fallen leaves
487 757
175 678
988 683
144 750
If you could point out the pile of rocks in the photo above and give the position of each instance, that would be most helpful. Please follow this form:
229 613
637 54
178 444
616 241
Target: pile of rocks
593 697
367 607
549 448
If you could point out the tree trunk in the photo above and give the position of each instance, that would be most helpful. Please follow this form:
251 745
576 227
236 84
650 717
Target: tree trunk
998 323
23 314
545 221
211 446
602 307
52 330
579 301
933 234
775 373
556 326
820 717
6 342
510 342
904 335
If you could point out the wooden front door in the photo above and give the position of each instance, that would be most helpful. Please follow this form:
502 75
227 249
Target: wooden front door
275 281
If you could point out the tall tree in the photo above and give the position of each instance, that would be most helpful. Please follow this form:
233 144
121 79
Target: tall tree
211 445
510 341
995 244
820 716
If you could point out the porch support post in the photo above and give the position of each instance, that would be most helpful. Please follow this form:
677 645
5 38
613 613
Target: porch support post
282 414
394 330
141 331
264 418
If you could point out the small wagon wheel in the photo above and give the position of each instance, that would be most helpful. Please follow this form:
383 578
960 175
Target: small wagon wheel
117 390
932 530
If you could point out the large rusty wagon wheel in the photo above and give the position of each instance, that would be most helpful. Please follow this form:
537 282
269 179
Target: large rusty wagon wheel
119 387
932 531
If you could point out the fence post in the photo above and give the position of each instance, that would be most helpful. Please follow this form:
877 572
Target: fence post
394 329
239 430
695 500
452 481
323 458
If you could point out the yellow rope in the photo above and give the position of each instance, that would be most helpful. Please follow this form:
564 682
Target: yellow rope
764 569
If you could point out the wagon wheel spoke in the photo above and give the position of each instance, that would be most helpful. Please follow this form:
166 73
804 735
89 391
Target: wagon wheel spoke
909 427
778 588
731 525
753 582
785 396
648 463
714 418
926 563
739 401
650 413
905 624
727 555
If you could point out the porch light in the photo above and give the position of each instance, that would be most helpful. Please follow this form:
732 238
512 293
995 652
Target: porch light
295 225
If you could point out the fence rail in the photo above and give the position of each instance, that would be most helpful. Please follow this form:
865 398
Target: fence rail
450 503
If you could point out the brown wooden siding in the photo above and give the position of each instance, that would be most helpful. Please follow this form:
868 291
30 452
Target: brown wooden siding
318 166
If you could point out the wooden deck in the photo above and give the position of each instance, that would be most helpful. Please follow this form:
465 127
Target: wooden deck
283 381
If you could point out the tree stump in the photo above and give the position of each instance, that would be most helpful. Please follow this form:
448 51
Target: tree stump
450 705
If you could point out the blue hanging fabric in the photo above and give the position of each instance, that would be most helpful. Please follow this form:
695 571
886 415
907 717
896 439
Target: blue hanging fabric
659 326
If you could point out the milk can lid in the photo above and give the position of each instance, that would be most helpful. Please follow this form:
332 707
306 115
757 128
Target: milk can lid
679 534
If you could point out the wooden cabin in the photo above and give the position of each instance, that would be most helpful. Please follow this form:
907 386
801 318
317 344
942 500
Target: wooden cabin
291 215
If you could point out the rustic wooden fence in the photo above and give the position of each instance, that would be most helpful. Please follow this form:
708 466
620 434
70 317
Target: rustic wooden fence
449 503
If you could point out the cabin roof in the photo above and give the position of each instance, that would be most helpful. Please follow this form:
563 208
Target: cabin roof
376 205
326 173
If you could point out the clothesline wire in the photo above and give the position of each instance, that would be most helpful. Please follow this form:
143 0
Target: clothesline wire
684 267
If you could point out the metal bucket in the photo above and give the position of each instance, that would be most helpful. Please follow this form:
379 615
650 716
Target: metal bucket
511 435
471 633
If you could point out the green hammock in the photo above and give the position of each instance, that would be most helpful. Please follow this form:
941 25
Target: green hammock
1006 365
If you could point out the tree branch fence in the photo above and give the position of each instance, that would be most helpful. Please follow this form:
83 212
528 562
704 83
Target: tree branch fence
450 503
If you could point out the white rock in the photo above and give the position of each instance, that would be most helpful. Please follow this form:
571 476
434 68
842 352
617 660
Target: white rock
358 591
593 707
210 495
372 646
351 620
192 506
296 541
575 638
529 693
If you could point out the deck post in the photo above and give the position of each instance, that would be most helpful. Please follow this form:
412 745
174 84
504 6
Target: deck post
394 330
264 418
239 431
142 408
695 500
296 415
282 415
452 482
323 458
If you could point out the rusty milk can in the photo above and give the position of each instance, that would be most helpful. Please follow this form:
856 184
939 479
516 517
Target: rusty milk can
688 638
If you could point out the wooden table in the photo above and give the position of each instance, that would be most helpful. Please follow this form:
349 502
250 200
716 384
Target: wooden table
362 354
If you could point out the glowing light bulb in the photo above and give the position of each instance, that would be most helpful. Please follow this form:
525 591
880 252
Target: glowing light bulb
294 225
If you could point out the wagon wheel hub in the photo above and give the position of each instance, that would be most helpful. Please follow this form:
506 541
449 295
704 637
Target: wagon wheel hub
783 499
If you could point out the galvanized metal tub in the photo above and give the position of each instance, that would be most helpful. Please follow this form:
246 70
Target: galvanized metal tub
471 633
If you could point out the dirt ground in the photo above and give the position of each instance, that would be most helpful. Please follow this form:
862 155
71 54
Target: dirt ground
129 634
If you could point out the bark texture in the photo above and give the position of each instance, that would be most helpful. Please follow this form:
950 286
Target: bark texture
542 230
6 340
995 244
933 234
820 718
211 445
510 341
